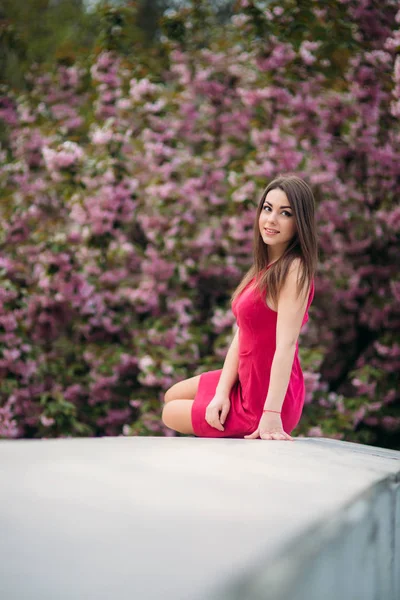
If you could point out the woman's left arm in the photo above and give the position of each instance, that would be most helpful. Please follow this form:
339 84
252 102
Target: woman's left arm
291 309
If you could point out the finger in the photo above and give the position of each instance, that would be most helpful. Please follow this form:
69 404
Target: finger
215 423
266 436
224 414
212 419
277 436
253 435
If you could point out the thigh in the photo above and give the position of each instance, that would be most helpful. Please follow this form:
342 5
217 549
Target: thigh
177 415
183 390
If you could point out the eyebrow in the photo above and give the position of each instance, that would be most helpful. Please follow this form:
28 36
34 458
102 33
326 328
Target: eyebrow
266 202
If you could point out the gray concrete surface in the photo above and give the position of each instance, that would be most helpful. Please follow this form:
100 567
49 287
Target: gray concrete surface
192 518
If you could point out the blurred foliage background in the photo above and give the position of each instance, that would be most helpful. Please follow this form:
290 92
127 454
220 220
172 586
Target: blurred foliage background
136 138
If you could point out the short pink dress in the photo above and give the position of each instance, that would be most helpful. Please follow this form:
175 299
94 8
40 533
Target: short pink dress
257 342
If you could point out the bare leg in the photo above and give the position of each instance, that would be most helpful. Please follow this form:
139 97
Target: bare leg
183 390
176 415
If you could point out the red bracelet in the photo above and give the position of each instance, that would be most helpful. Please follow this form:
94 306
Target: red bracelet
275 411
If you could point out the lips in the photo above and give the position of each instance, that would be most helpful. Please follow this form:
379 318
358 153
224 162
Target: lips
270 231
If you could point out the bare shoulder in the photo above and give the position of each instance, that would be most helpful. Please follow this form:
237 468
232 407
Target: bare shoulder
296 266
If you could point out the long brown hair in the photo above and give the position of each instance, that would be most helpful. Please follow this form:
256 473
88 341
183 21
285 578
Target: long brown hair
303 245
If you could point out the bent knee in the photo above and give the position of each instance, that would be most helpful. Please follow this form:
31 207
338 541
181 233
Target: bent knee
167 415
169 395
177 416
170 415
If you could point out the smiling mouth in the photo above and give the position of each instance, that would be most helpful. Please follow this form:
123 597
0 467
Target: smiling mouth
270 231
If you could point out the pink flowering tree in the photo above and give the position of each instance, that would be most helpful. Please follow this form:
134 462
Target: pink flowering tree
129 197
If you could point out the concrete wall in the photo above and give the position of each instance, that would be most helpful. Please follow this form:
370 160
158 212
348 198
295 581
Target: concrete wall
189 518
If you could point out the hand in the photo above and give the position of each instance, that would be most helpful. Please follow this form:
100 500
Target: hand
270 428
220 403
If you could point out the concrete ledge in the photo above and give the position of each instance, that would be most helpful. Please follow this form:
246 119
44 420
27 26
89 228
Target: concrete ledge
352 554
195 518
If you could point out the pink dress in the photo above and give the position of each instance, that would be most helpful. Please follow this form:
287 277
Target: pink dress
257 341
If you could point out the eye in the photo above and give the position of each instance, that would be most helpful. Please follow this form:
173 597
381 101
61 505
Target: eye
284 212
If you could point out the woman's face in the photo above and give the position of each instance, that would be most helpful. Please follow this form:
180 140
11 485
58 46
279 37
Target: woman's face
276 223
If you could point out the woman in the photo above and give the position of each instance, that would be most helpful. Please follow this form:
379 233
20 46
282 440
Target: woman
260 390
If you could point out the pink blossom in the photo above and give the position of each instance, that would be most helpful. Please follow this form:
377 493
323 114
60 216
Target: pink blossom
315 432
141 88
8 425
9 322
391 423
101 136
67 155
306 49
311 381
145 362
222 319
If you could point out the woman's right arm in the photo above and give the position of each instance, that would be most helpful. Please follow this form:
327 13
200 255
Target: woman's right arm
230 369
